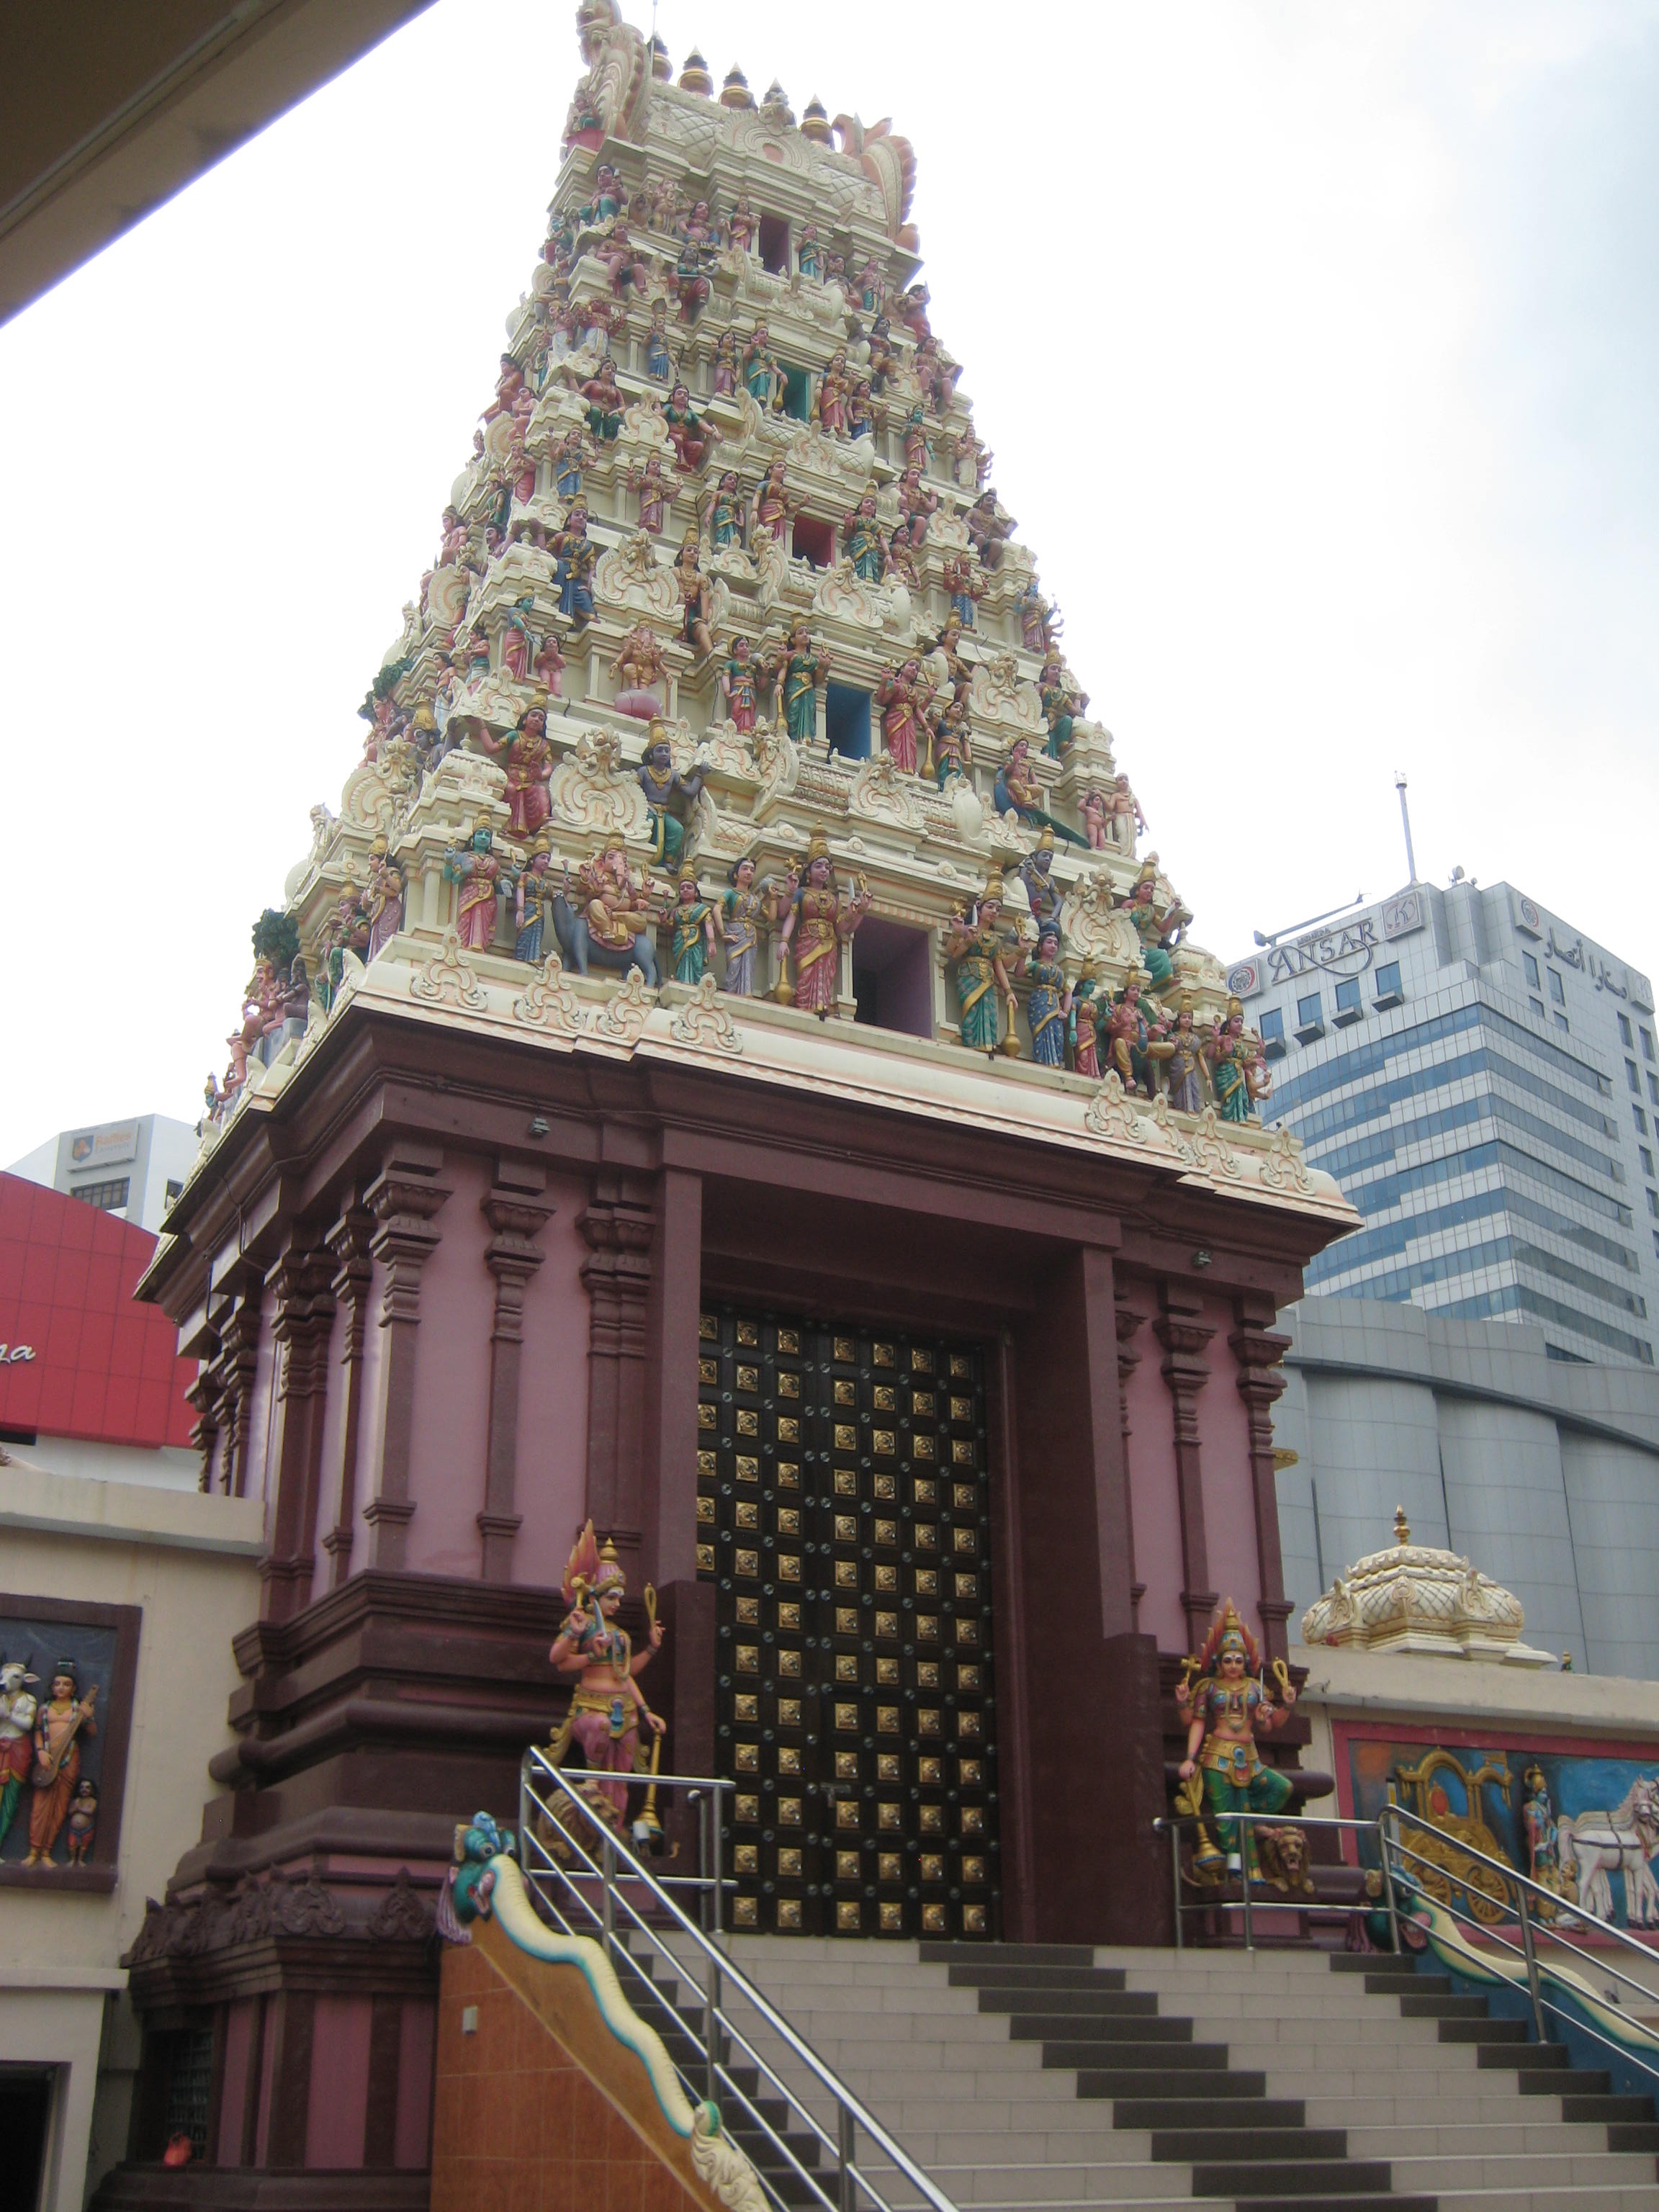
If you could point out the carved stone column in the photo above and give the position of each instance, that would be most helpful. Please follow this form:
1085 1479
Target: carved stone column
1258 1350
618 1223
1128 1321
403 1198
234 1371
1184 1336
349 1242
304 1319
517 1211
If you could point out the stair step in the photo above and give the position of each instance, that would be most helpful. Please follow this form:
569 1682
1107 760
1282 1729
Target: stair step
1161 2113
1096 2027
1006 1954
992 1974
1141 2085
1263 2146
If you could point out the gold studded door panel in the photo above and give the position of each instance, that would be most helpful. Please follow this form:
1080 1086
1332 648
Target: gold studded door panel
842 1513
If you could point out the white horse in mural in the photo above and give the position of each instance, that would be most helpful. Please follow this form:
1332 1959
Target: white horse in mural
1597 1844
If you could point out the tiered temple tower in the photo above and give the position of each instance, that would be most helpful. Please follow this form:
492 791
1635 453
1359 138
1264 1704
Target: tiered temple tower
675 1113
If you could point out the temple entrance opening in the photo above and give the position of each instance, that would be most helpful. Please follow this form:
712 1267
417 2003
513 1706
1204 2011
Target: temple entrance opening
843 1516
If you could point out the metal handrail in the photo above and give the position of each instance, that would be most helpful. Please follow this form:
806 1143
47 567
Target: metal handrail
1172 1825
851 2112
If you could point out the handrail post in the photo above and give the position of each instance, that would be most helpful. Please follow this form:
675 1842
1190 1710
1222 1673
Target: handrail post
1244 1879
845 2155
1532 1964
715 1855
607 1890
1175 1862
1383 1848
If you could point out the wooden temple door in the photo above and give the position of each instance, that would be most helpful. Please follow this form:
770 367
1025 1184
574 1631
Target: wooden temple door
843 1516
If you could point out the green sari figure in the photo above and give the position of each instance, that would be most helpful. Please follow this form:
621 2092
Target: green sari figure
1158 932
694 928
979 952
1236 1068
861 542
798 670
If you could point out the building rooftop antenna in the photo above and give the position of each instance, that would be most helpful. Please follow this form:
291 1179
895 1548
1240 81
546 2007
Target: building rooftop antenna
1406 820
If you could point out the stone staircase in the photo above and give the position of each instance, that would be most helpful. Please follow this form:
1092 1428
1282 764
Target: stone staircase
1046 2076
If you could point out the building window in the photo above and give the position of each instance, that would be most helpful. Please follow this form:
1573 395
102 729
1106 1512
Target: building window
1632 1077
1386 986
1647 1159
812 541
774 243
1561 1021
1556 990
1625 1033
1271 1030
1641 1121
109 1196
1348 1008
1310 1022
174 1189
1653 1090
1537 1005
1647 1044
846 720
1653 1203
1531 966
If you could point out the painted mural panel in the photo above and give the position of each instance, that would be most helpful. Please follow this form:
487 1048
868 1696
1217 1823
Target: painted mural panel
1583 1821
65 1696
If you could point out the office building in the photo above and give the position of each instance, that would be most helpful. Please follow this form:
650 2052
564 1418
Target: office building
134 1168
1483 1081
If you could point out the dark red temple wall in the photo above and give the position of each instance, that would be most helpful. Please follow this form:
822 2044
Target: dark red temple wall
451 1381
259 1479
241 2021
552 1458
334 1404
339 2081
1153 1500
1229 1484
418 2032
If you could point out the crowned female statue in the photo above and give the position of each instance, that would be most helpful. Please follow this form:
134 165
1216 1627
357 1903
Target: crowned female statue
606 1708
1227 1706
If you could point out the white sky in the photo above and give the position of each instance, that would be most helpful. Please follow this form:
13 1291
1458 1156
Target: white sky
1318 344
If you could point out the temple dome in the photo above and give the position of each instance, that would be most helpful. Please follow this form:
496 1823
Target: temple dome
1418 1599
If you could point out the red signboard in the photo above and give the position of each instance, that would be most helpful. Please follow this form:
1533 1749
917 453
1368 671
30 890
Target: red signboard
78 1356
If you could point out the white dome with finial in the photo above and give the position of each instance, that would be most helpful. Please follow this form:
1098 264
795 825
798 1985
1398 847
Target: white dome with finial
1420 1599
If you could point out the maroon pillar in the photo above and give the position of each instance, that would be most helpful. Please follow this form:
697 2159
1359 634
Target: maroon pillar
304 1318
1184 1334
403 1198
1090 1712
517 1209
1128 1322
619 1224
349 1241
1258 1350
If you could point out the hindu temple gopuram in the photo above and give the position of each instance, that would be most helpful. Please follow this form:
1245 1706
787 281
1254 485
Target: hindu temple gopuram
729 1105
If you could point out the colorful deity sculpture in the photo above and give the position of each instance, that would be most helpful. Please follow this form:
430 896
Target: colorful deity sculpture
809 254
383 898
978 948
761 372
902 696
861 541
689 434
1037 873
62 1722
1086 1023
1159 929
860 410
739 682
1017 792
1127 1039
1036 619
659 361
483 876
606 1709
723 513
19 1704
798 670
654 494
831 403
725 365
693 587
573 453
668 795
1179 1051
988 528
1226 1708
640 667
817 921
575 557
953 745
1237 1067
605 402
693 919
699 250
1051 1000
534 888
772 506
529 765
966 586
747 907
609 920
916 504
1062 701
